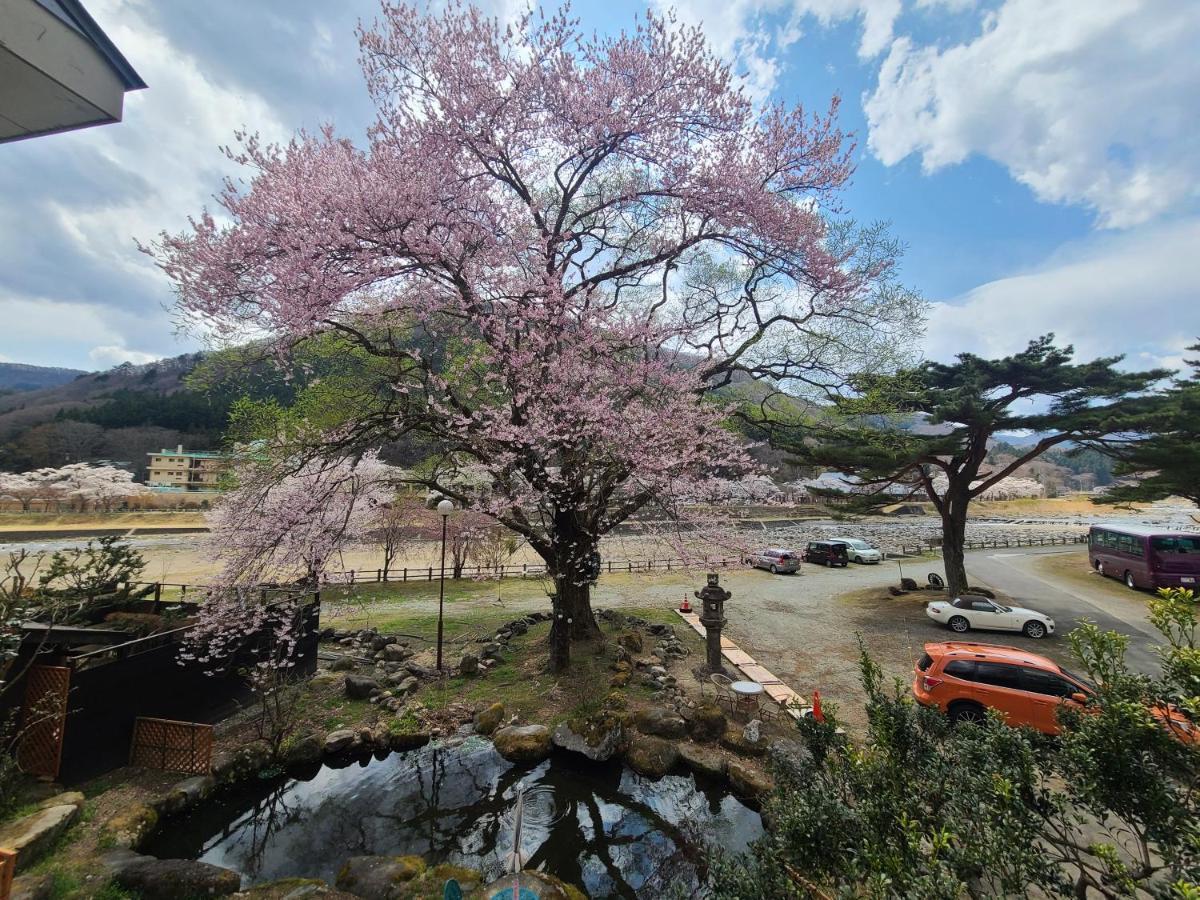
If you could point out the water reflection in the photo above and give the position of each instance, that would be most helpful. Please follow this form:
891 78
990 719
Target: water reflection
599 826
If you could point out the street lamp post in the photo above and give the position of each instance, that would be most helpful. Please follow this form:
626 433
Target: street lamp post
444 508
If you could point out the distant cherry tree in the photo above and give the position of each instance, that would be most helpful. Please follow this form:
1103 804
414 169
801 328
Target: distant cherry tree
569 251
79 484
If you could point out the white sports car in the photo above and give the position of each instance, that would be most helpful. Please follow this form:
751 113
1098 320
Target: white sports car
965 613
860 551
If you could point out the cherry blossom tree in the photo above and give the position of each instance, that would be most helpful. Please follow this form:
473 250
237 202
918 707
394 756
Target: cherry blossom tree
284 525
82 484
570 250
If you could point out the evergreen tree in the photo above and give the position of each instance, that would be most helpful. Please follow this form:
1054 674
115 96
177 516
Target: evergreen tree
928 428
1167 459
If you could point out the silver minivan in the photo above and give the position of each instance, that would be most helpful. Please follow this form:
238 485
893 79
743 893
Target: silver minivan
777 562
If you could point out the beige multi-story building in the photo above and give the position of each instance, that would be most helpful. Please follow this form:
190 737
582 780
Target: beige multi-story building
193 470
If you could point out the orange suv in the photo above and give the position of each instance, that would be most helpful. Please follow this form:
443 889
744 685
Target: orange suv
964 680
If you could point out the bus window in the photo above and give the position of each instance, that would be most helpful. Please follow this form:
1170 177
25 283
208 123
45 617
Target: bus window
1179 544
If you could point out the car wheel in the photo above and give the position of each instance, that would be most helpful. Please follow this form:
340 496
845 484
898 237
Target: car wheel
774 570
1100 567
959 625
1034 630
858 559
829 562
967 712
1129 583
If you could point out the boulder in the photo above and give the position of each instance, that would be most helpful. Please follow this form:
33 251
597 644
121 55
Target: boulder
651 756
702 760
379 877
343 664
490 650
468 664
597 739
753 732
186 794
523 743
66 798
631 641
339 741
735 739
660 721
395 653
241 763
488 720
170 879
748 779
408 740
707 722
304 750
33 886
619 680
360 687
33 835
128 828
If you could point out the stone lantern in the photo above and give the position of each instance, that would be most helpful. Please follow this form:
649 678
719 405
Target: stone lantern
712 616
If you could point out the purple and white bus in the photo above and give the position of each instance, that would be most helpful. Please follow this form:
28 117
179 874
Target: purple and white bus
1145 557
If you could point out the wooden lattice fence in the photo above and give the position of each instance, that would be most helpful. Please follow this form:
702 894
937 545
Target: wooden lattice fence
172 746
43 720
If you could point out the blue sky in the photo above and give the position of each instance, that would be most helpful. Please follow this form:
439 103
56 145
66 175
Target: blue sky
1040 158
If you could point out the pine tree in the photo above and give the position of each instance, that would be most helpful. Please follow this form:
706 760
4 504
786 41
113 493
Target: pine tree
1167 459
928 428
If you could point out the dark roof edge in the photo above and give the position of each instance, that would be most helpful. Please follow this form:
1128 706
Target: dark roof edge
132 80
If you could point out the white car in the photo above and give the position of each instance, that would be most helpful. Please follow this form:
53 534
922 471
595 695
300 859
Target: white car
860 551
964 613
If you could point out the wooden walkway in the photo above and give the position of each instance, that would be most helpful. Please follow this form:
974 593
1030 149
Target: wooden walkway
773 687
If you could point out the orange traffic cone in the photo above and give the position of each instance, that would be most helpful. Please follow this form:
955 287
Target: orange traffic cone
685 606
817 712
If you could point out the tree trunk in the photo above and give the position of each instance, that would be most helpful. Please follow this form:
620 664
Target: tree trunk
954 535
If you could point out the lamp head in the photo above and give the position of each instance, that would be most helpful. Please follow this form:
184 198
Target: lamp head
445 507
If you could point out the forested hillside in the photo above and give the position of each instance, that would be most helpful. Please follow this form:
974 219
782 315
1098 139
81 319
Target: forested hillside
20 377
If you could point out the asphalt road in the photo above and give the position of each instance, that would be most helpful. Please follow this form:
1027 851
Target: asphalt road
1014 573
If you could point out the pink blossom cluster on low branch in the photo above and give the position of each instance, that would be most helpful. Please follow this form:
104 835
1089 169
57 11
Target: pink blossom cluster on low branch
283 526
564 244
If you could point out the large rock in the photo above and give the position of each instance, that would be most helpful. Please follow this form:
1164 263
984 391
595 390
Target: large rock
702 760
33 835
170 879
658 720
241 763
735 739
360 687
748 779
523 743
186 794
66 798
304 750
339 741
343 664
597 739
395 653
651 756
468 664
707 722
631 641
489 719
129 827
408 740
380 877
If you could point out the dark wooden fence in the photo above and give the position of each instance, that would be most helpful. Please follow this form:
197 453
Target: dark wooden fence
1000 544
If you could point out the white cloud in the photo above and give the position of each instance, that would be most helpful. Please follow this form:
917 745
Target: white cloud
1132 293
739 30
1091 103
110 355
